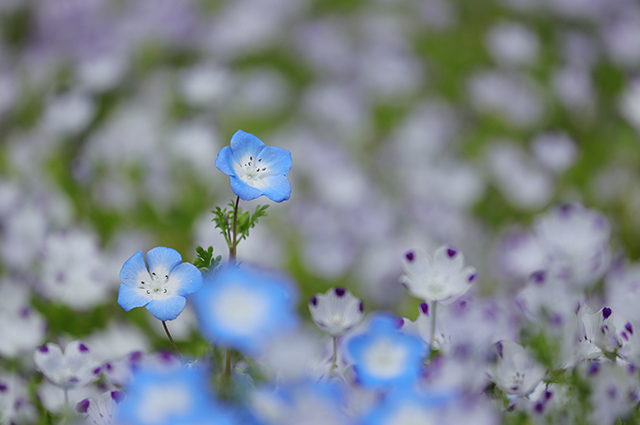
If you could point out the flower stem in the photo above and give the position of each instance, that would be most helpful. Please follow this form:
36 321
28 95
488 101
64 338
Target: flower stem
234 241
433 323
164 324
66 398
335 355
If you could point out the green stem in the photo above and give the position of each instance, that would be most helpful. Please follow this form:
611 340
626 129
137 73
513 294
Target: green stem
335 355
234 241
433 323
166 330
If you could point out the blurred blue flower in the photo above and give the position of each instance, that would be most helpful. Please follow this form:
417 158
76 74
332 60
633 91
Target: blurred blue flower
163 287
168 396
385 357
255 169
244 307
406 406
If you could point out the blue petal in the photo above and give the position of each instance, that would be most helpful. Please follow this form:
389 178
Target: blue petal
129 298
277 188
244 144
132 268
188 278
225 160
243 190
276 160
162 258
167 309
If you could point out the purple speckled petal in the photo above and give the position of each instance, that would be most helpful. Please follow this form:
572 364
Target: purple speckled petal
83 406
340 291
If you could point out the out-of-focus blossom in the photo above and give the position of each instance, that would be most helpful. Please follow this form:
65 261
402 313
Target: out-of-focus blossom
101 411
15 403
577 240
255 169
614 390
68 113
296 355
516 372
520 254
337 311
406 406
442 278
244 307
512 44
630 104
597 334
162 287
74 368
170 396
523 183
74 271
383 357
557 152
22 328
547 296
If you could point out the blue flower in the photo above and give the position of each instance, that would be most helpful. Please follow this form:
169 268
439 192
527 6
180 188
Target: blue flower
406 406
171 396
383 356
163 287
255 169
244 307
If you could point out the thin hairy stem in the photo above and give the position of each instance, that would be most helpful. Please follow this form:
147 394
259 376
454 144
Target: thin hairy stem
335 355
166 330
234 241
433 323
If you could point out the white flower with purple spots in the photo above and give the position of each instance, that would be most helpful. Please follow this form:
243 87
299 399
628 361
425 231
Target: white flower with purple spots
162 287
337 311
516 371
72 369
101 411
442 278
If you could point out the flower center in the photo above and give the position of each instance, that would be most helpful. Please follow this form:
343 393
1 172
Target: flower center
157 286
251 170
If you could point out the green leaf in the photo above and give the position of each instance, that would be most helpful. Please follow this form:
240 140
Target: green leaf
205 260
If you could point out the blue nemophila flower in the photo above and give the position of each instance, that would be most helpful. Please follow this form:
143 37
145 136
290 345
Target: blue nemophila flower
244 307
406 406
167 396
163 287
385 357
255 169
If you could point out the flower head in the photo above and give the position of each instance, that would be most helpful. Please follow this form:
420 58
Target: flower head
163 287
516 371
383 356
244 307
255 169
441 278
336 312
72 369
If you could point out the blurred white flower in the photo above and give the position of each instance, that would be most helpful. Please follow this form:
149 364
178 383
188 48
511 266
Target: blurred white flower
516 371
513 44
442 278
557 152
337 311
75 368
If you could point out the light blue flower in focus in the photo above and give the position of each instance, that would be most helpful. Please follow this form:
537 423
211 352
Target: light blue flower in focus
171 396
255 169
244 307
384 357
163 287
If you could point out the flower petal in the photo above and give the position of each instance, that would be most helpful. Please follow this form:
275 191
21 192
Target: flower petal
245 144
277 188
134 270
187 279
243 190
168 308
48 359
129 297
276 160
225 160
448 260
163 260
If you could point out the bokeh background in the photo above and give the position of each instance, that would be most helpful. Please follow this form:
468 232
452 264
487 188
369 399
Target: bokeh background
411 123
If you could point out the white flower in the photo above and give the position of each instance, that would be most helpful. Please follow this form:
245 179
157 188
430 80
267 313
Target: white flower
516 372
337 311
75 368
597 333
443 278
100 411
